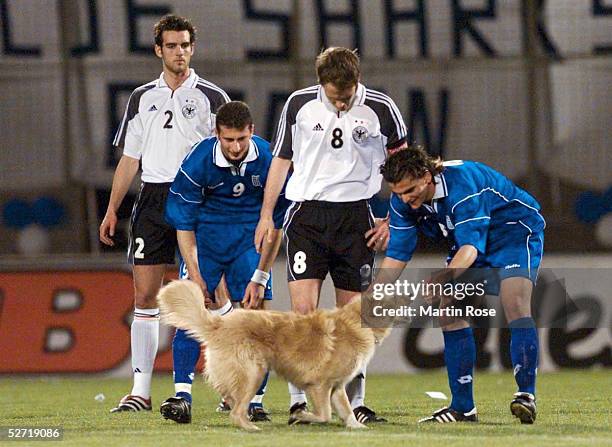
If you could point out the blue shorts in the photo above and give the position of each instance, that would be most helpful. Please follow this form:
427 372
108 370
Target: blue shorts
238 273
516 252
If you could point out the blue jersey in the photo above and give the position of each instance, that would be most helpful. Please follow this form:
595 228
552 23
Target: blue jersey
473 204
219 201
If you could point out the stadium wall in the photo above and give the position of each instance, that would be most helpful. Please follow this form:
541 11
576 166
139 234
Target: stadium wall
459 73
520 85
73 317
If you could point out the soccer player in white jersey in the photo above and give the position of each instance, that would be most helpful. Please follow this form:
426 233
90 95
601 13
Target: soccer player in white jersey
162 121
336 135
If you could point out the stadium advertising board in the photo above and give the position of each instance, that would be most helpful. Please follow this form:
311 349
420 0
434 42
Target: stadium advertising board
78 322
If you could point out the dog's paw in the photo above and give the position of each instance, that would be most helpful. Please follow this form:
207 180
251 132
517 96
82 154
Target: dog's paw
251 427
356 425
306 416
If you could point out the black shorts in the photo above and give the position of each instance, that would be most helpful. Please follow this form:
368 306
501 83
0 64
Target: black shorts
324 237
152 240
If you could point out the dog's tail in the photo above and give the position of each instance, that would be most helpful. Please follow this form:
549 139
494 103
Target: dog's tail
182 305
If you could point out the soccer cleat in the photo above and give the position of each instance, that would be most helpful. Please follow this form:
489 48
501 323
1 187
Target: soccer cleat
294 411
223 407
523 406
448 415
132 403
258 414
176 409
366 416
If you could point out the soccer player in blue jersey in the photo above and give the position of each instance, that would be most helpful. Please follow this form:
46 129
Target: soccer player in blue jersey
214 203
490 223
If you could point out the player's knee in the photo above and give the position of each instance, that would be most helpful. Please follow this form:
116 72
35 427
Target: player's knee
146 299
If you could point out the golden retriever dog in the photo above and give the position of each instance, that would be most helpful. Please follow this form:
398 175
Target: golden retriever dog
319 352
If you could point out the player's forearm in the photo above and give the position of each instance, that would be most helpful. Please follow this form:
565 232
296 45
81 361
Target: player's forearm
122 180
274 185
189 252
463 259
269 251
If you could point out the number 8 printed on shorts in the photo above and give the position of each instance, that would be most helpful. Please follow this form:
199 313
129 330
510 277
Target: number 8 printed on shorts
299 262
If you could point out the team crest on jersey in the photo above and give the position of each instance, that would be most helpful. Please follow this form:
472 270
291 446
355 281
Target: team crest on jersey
449 223
360 134
189 110
256 181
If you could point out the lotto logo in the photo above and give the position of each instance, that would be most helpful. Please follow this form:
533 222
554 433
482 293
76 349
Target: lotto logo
464 379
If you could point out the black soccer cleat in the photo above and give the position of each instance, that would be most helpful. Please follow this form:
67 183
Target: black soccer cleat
448 415
366 416
258 414
176 409
223 407
132 403
294 411
523 406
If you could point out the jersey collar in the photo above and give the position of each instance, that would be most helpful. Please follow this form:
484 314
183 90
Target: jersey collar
360 97
190 82
441 189
220 160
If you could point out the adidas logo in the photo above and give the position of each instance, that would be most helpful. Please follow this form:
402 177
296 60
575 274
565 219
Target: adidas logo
318 127
152 108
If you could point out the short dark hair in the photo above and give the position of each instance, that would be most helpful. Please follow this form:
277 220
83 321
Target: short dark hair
235 115
339 66
413 161
171 22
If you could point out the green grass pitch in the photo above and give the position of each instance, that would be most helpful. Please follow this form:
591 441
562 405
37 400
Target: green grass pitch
574 408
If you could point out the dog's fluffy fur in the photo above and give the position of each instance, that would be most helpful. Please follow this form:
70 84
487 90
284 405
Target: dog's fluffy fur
319 352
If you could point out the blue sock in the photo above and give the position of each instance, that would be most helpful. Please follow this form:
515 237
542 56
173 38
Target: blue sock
258 398
460 357
524 353
185 355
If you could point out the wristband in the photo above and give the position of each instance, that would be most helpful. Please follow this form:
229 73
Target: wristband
260 277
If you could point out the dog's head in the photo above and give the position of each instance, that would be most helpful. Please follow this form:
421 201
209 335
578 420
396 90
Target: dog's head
358 309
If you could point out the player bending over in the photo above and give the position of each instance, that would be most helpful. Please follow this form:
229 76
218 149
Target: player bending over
490 223
214 203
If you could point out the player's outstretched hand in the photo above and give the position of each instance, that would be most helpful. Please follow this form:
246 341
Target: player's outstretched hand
107 228
263 232
208 297
253 295
433 284
378 237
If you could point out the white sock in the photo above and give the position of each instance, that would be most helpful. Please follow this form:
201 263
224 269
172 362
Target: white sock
182 388
226 309
355 389
297 395
145 339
